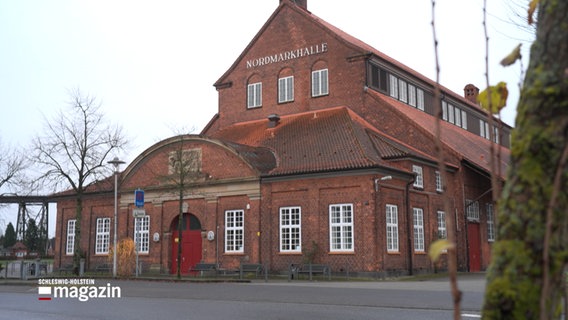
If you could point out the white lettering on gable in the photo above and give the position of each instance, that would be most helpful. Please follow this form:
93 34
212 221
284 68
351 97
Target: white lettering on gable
288 55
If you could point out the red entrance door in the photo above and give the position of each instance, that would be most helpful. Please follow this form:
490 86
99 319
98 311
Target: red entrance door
191 244
474 247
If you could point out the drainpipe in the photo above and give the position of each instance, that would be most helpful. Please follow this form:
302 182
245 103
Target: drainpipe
409 218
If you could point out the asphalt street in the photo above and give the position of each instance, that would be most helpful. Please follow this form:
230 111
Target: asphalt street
396 300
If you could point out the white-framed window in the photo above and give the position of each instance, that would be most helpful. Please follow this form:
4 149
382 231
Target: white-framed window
402 91
392 227
286 89
412 95
290 229
458 120
451 118
472 209
142 234
496 135
102 238
341 227
484 129
420 99
444 111
442 232
418 214
320 83
464 120
419 181
70 247
234 231
393 87
439 185
490 223
254 95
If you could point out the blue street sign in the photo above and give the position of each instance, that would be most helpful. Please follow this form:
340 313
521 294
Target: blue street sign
139 198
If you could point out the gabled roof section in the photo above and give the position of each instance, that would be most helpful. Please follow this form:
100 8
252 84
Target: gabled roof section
469 146
333 139
340 35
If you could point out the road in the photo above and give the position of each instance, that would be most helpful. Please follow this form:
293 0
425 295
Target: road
396 300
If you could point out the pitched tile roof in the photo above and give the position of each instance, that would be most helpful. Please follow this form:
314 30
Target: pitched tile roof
319 141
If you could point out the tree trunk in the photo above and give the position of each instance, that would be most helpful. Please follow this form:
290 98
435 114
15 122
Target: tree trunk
525 279
77 253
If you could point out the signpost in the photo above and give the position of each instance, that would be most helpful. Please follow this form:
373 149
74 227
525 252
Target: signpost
139 198
138 212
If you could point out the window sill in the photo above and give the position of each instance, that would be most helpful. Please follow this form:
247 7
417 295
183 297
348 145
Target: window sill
233 253
289 253
342 252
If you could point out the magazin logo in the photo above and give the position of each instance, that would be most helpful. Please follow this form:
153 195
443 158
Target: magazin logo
80 289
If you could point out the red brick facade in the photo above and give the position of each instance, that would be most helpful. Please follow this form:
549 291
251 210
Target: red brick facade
351 150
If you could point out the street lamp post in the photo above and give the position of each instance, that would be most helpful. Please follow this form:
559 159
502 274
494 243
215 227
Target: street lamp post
115 162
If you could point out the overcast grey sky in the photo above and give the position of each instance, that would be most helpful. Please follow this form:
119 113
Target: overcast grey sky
153 63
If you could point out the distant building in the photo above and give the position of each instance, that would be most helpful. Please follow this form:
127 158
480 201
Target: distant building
19 250
323 149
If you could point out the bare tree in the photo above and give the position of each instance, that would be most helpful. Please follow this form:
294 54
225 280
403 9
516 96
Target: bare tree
73 151
526 279
184 170
12 168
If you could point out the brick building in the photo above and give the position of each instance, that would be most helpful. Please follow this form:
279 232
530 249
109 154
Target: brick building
322 150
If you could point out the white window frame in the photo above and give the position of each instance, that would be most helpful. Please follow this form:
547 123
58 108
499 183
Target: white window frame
70 246
291 229
412 95
102 237
451 117
418 220
286 89
320 83
444 111
490 222
341 230
420 99
458 117
442 230
254 95
393 86
495 135
142 233
484 129
234 231
392 227
402 91
439 184
464 120
419 181
472 210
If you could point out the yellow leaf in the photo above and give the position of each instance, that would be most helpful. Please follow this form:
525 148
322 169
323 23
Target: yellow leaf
438 247
532 8
498 99
512 57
